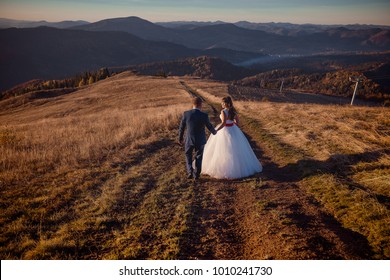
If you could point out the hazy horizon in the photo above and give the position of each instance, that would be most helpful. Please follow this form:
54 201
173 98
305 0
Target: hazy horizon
200 21
326 12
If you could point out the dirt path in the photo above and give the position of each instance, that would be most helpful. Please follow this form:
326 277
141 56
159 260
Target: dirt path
268 216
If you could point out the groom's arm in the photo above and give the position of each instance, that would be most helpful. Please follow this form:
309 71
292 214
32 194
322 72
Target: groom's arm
209 126
182 128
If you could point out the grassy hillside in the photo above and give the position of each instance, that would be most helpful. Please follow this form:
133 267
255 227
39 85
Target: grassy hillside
97 174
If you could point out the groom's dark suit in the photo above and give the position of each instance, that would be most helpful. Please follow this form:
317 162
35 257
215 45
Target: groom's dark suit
195 121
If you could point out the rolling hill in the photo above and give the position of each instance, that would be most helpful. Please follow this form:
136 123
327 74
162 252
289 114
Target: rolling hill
202 67
335 83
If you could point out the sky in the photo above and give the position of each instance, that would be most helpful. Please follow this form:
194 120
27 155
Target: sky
293 11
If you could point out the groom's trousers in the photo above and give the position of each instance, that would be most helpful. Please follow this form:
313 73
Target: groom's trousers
198 159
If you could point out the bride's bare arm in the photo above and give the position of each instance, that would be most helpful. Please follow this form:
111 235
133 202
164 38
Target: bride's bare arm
223 119
236 120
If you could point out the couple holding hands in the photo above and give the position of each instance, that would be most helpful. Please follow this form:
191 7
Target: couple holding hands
227 153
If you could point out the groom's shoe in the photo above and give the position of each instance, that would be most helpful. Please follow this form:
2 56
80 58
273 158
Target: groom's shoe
189 176
196 176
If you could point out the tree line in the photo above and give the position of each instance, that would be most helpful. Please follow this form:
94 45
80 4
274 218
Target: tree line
80 80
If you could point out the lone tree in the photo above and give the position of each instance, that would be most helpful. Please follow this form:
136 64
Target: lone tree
162 73
102 74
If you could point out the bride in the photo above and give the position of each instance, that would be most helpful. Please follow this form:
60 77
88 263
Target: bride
228 153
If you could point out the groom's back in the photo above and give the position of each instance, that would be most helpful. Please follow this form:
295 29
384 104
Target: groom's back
195 122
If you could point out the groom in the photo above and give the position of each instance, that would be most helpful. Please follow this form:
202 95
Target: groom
195 121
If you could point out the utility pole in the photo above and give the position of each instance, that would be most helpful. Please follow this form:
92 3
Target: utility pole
281 86
356 80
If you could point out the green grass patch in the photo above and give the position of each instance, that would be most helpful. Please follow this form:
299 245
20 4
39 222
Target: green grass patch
356 209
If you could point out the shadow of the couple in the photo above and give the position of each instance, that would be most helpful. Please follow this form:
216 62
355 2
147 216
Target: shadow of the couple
340 165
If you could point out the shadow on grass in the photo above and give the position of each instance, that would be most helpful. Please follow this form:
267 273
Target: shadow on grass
340 165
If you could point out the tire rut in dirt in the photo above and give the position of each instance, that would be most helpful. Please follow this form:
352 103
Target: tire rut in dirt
214 222
111 203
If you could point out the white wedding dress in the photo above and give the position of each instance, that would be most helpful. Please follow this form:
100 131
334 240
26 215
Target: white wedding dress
228 155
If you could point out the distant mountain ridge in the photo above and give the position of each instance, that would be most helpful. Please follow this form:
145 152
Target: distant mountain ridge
50 53
53 53
281 28
241 38
271 27
9 23
273 38
133 25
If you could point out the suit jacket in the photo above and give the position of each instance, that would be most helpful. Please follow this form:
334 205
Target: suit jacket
195 121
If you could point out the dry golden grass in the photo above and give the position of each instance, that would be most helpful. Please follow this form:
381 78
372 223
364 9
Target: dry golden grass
323 130
85 126
56 151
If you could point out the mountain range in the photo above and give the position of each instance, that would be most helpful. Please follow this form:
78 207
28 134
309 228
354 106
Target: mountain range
9 23
232 36
74 47
281 28
49 53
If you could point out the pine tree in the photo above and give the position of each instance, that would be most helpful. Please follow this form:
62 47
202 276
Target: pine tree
102 74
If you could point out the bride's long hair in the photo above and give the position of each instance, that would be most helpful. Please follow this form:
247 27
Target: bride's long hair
229 105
